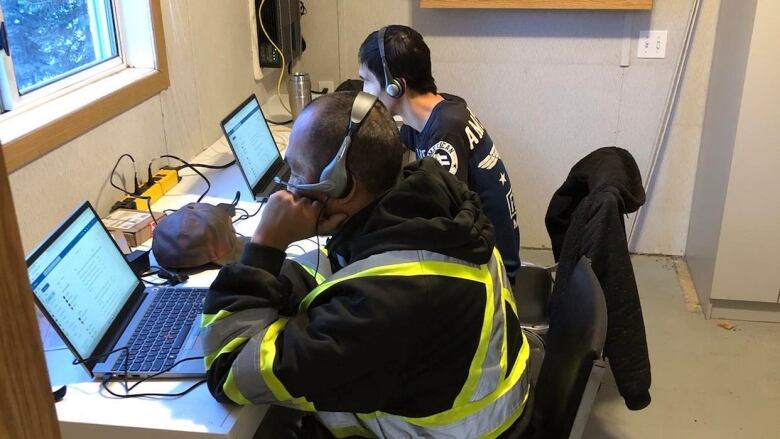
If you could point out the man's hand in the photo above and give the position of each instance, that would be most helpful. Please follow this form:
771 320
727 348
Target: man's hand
288 218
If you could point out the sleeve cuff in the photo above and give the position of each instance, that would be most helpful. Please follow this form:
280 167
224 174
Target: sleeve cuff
638 401
266 258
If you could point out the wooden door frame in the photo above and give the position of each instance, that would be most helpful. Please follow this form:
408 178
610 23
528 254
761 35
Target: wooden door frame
26 400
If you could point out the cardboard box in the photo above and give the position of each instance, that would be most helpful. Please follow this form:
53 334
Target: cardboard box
121 241
135 225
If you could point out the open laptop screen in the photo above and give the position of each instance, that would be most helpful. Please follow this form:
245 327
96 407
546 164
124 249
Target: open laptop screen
252 141
81 279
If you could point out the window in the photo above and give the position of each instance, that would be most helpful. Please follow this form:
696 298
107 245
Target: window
70 65
51 41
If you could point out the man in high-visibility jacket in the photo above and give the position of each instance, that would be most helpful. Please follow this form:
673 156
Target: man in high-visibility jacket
403 326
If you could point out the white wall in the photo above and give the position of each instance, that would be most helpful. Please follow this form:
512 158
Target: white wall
549 88
209 61
320 30
547 85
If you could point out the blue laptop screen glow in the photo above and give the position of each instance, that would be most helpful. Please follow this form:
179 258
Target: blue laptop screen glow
252 141
83 282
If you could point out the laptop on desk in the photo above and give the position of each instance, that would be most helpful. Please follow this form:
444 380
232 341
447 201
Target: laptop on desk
93 299
253 145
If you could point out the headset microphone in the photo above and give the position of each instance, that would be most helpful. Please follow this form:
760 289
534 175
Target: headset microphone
334 179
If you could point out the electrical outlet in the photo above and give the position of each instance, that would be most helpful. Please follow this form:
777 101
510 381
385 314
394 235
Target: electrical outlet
327 84
652 44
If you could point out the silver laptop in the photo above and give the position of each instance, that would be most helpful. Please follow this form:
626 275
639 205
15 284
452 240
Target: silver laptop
93 299
253 145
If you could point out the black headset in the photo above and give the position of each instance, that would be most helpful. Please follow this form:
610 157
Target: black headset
393 87
334 179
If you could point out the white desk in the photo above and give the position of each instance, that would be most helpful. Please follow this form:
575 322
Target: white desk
87 412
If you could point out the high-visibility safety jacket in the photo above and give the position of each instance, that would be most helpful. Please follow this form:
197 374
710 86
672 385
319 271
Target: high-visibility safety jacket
395 343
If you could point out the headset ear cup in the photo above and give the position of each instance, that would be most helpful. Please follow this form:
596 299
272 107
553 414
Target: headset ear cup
395 89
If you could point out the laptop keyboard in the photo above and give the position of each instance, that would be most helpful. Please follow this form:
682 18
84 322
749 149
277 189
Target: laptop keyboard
159 336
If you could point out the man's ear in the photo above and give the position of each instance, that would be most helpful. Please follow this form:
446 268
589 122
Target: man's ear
352 190
406 87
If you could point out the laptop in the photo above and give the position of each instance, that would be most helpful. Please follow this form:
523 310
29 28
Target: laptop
93 299
253 145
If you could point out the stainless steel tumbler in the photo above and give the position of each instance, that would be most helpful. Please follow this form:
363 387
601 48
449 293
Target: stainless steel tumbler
299 91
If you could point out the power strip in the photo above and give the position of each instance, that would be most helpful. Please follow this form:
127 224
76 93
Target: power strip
163 181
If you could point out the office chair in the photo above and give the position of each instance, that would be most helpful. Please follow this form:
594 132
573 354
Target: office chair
532 290
573 364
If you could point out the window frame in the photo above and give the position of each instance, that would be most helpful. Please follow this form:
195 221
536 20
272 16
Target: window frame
143 82
15 100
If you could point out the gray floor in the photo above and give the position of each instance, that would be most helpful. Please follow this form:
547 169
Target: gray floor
708 382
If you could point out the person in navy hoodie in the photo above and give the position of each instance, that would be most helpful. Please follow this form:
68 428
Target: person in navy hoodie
395 65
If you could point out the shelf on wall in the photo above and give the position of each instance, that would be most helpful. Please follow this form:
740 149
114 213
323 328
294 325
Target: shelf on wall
538 4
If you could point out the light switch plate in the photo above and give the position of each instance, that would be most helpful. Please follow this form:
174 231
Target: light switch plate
652 44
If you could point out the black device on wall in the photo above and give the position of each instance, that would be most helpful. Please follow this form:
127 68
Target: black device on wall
282 21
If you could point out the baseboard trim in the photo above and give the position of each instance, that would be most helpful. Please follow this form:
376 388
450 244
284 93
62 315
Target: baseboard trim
741 310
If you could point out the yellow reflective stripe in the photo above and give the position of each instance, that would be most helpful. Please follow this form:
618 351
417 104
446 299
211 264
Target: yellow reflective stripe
506 291
456 414
318 277
267 356
209 319
324 250
509 421
229 347
508 297
504 346
475 370
499 266
352 430
232 392
416 268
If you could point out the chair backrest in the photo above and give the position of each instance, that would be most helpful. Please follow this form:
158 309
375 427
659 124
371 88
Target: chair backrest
532 289
578 328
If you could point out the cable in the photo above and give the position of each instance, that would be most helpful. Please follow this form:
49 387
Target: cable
126 365
281 55
237 197
77 361
188 165
303 250
317 234
135 176
281 122
137 186
202 165
155 284
127 394
663 129
248 215
172 278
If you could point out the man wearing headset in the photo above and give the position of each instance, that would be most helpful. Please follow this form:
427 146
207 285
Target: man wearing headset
395 64
404 326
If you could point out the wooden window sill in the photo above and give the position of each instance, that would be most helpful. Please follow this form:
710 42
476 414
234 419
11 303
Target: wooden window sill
33 132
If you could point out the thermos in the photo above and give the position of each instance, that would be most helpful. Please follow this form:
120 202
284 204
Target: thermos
299 90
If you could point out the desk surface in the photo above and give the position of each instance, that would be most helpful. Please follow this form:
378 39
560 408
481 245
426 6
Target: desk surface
88 412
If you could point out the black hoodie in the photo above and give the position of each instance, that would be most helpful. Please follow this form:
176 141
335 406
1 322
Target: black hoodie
585 218
397 344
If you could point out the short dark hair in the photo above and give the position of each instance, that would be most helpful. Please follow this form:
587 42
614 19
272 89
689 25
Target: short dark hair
407 56
376 153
